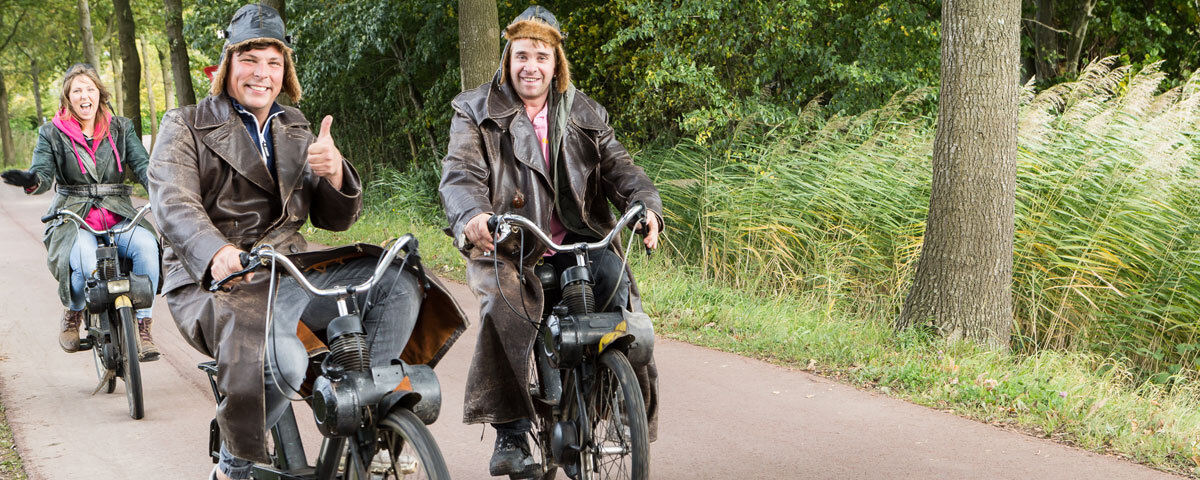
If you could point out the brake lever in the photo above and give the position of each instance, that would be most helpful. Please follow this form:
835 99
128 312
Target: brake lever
643 227
245 258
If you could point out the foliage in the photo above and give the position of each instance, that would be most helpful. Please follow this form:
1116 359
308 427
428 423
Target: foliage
1106 213
702 63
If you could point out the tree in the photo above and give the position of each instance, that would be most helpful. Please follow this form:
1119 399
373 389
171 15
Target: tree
6 130
85 30
35 72
478 41
185 93
1053 58
131 68
166 75
149 90
279 6
962 286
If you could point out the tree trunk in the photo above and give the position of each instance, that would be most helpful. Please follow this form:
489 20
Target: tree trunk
85 29
168 85
478 41
963 282
118 87
131 68
149 91
279 6
185 93
34 73
6 131
1078 34
1045 41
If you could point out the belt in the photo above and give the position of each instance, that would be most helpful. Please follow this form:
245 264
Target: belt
95 190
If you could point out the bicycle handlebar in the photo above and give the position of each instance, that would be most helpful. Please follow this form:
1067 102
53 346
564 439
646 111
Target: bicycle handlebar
72 216
505 225
265 254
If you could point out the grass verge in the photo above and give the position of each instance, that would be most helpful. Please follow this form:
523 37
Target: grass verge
11 467
1073 398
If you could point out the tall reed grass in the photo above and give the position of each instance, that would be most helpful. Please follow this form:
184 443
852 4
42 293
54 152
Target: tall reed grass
1107 248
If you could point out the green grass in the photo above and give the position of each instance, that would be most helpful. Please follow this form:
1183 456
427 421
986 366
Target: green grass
11 467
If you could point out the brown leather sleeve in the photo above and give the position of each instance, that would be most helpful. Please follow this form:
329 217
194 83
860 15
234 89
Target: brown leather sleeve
464 186
177 200
334 209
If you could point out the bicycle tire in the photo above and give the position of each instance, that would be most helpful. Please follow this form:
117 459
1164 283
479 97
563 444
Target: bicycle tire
101 371
129 362
620 446
409 449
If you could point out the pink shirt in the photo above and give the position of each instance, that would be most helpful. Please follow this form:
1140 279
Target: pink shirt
541 128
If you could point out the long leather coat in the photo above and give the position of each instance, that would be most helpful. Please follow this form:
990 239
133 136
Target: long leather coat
494 164
54 163
210 187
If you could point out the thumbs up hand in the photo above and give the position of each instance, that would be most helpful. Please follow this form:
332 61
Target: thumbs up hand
324 157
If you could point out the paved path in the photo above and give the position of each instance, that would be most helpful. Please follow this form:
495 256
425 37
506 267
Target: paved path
723 416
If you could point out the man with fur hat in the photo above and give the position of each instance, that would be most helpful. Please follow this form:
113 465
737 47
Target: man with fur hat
529 143
236 171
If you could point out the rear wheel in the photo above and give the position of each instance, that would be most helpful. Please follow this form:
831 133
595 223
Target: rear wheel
129 362
108 379
619 447
406 450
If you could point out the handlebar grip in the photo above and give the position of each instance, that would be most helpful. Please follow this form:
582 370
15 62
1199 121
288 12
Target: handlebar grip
244 257
492 223
49 216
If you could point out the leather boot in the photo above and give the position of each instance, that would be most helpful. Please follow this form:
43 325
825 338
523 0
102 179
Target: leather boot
68 339
147 352
511 455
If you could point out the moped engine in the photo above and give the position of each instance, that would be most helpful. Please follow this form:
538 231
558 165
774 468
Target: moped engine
335 404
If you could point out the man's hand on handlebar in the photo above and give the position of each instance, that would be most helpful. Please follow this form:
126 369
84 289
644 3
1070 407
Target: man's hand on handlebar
227 261
477 233
653 227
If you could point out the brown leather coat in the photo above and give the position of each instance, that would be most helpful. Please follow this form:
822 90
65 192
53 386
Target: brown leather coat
210 187
494 164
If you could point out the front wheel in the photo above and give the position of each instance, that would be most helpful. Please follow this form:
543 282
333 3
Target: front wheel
406 450
620 446
129 363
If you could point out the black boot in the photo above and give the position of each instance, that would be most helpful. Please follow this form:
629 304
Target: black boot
511 456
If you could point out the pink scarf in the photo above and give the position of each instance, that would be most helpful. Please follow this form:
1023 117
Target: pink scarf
70 127
97 218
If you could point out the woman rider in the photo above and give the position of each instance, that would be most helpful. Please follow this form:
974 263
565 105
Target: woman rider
87 151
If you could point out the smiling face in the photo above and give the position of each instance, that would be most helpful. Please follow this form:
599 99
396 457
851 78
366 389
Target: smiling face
84 98
531 66
255 78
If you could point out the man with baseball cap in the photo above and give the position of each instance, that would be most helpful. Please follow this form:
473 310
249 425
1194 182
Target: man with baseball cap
239 170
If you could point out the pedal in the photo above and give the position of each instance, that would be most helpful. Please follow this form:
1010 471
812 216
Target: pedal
85 343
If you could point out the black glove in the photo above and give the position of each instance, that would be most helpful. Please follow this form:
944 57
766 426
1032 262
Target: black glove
20 178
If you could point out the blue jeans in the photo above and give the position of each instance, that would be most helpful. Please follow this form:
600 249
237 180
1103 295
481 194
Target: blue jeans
138 245
396 301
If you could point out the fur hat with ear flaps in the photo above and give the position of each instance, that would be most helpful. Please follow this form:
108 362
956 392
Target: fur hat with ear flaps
537 23
257 25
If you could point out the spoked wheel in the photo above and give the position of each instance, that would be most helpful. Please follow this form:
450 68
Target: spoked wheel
543 421
406 451
107 378
620 447
129 363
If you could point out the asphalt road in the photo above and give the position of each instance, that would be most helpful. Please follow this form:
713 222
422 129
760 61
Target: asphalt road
723 416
